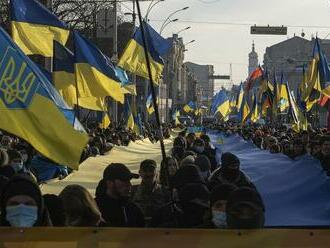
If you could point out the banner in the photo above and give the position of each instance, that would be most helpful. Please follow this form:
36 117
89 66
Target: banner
295 192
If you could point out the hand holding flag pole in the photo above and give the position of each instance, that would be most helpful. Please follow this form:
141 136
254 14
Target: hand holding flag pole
145 46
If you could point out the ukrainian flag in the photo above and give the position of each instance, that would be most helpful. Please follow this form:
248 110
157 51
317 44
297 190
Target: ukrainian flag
313 87
255 116
25 95
190 107
134 60
283 103
103 119
323 67
150 105
34 27
126 85
95 74
223 104
244 110
240 97
65 82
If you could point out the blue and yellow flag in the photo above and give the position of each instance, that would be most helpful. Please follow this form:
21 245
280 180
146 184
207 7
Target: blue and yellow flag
190 107
34 27
150 104
134 60
95 74
103 119
240 97
244 110
65 82
32 109
126 85
282 96
323 67
255 116
223 106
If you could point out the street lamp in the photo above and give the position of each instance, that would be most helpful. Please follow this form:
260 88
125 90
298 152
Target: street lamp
151 6
169 22
172 14
192 41
182 30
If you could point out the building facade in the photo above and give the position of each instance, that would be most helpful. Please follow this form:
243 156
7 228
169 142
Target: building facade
288 58
205 85
253 60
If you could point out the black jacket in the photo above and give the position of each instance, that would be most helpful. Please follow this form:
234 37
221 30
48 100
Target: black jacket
118 213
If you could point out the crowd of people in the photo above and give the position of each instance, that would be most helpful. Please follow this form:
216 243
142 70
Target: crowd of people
189 189
18 156
313 142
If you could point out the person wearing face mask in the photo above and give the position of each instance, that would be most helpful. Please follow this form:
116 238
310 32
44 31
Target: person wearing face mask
245 209
22 204
16 161
218 201
229 173
203 163
112 198
149 195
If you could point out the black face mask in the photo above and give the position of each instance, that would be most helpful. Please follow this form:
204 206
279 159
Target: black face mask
230 174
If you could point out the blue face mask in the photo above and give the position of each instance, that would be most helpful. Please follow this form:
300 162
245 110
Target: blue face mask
219 218
18 166
22 215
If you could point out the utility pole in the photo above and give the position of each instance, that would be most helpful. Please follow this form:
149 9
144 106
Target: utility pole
115 52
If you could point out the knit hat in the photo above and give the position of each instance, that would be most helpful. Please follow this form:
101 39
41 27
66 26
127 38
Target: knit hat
229 159
195 193
187 174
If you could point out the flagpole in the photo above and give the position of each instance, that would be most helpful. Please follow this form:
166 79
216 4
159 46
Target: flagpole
161 139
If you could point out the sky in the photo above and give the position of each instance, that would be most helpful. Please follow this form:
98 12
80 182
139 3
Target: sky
221 28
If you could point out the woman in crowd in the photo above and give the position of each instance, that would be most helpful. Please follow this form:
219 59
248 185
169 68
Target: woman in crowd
80 207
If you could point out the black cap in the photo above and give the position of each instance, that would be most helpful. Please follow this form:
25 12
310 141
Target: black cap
229 159
118 171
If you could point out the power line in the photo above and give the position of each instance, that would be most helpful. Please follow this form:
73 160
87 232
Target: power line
239 24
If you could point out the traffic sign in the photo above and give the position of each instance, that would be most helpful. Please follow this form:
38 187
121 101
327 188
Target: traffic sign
225 77
270 30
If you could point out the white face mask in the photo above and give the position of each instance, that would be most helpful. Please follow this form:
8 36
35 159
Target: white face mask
22 215
219 218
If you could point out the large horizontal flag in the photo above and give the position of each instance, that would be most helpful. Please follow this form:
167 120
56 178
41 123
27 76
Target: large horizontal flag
34 27
134 60
95 74
25 95
65 81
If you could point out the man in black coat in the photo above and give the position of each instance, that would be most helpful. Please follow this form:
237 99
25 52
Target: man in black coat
112 198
